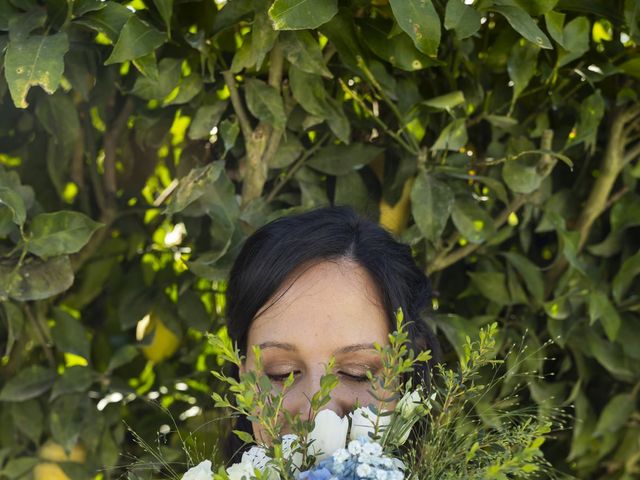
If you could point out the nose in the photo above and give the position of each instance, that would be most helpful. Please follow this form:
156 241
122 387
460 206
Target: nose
298 399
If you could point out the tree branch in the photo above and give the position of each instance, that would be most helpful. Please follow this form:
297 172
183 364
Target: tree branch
236 103
110 146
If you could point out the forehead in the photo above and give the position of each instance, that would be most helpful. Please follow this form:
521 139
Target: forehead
323 306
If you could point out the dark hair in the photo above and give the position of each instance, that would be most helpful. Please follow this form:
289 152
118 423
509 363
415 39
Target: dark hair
280 247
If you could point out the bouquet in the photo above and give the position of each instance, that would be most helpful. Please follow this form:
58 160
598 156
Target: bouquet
431 433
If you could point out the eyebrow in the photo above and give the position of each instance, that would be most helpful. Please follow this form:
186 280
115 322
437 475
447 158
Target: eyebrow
292 348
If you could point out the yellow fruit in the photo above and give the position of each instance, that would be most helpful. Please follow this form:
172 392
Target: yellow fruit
395 217
164 342
54 452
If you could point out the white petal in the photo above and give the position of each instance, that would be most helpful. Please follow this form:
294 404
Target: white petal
363 422
329 434
202 471
240 471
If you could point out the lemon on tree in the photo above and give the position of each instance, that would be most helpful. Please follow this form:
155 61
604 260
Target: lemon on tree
164 342
50 454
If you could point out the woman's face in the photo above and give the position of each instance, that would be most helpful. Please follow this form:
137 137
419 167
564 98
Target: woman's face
331 309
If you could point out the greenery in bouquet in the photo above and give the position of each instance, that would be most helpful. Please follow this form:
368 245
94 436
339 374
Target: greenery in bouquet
412 431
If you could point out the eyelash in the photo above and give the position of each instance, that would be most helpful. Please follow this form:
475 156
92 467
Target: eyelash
353 378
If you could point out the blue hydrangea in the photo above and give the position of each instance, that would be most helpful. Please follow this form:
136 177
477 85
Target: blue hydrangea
362 459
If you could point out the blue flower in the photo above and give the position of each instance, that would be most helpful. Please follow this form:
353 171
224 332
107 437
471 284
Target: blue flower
316 474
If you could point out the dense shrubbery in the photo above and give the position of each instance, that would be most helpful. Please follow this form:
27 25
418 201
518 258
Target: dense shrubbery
500 139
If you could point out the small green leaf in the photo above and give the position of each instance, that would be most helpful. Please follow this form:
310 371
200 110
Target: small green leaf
76 379
244 436
136 40
342 159
616 414
18 467
108 20
28 418
205 119
446 102
555 26
35 60
463 19
165 8
303 51
70 335
15 323
419 19
522 23
265 103
472 221
193 186
624 278
452 137
492 285
15 203
122 356
522 66
60 233
229 131
529 272
301 14
575 38
66 418
431 205
28 383
601 308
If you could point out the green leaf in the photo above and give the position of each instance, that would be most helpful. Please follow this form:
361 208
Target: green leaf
36 279
122 356
398 50
309 91
472 221
229 131
575 38
82 7
352 190
288 152
529 272
60 233
463 19
631 67
522 23
265 103
301 14
452 137
15 323
193 186
522 66
303 51
165 8
205 119
108 20
70 335
66 418
431 204
591 113
18 467
555 26
615 414
624 278
244 436
136 40
15 203
28 383
342 159
601 308
537 7
521 174
419 19
447 101
29 419
492 285
76 379
36 60
257 45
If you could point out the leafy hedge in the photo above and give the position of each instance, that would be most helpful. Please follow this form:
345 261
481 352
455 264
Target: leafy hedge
141 141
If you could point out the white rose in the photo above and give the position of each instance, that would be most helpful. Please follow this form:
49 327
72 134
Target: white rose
329 434
363 422
202 471
240 471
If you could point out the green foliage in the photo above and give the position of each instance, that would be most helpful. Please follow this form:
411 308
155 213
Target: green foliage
141 141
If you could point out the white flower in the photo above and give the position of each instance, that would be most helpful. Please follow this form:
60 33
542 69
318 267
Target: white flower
363 422
329 434
240 471
354 447
287 447
408 403
372 448
341 455
256 456
363 470
202 471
